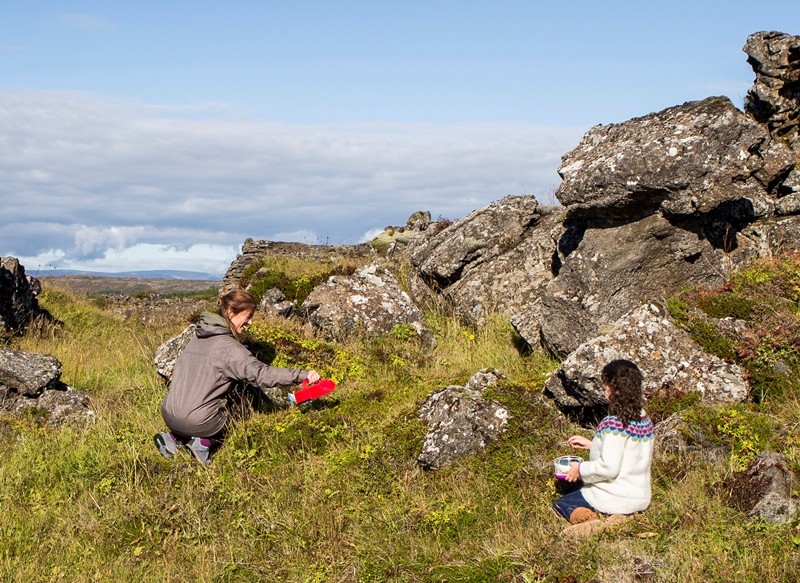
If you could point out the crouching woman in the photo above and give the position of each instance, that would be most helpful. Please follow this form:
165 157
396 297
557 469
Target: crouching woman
616 478
195 408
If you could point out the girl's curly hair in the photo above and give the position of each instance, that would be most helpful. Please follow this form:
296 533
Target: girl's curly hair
625 381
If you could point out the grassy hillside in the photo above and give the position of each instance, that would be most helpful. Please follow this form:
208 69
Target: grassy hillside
333 492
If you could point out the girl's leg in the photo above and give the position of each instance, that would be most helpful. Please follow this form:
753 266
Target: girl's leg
567 504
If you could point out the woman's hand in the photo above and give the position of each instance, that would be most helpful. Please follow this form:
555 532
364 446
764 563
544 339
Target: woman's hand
574 473
312 377
579 442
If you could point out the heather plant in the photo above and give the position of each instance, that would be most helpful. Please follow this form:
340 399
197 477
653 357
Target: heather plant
753 320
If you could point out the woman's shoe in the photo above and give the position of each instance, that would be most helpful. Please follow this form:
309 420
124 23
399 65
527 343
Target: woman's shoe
167 445
200 448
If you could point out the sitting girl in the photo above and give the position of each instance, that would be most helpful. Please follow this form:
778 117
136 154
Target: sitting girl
616 479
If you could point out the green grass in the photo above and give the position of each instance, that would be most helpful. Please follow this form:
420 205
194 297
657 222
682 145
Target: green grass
333 492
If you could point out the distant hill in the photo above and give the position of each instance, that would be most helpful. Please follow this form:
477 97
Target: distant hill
152 274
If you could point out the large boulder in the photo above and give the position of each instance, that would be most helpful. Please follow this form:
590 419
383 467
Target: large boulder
28 374
774 98
613 267
369 302
461 421
496 259
33 382
684 160
671 362
675 198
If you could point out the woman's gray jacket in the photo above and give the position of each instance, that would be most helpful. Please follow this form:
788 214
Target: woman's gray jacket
195 405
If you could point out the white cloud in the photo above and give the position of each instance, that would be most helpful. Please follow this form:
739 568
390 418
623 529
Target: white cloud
85 179
211 259
89 240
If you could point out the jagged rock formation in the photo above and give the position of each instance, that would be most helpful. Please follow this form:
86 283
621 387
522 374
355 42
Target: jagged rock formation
679 197
32 381
496 259
368 302
774 98
675 198
672 364
461 421
18 303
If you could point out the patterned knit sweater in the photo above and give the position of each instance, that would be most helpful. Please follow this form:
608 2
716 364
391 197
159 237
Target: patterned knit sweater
617 475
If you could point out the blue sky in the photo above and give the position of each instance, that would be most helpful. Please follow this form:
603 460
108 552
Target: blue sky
160 135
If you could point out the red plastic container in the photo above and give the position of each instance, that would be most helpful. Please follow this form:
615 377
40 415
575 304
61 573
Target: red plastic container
319 389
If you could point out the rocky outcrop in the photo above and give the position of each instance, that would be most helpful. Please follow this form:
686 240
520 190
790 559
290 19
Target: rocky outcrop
774 98
32 382
671 362
394 240
369 302
676 198
496 259
461 421
254 251
684 161
18 303
763 490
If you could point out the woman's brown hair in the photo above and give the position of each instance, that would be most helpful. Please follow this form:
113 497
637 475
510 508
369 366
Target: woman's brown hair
625 381
235 302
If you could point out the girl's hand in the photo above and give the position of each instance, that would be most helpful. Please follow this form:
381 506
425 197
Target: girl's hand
579 442
574 473
312 377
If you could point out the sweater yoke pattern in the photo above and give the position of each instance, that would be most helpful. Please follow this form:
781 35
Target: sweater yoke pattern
641 430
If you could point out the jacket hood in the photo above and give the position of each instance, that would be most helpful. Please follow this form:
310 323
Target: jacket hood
211 325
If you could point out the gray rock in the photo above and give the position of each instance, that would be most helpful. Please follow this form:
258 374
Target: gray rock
18 302
496 259
274 303
685 160
461 422
167 353
774 98
669 359
62 405
32 381
611 267
764 489
369 302
28 374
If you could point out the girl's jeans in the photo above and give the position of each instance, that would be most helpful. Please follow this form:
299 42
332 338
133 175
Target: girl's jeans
569 502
